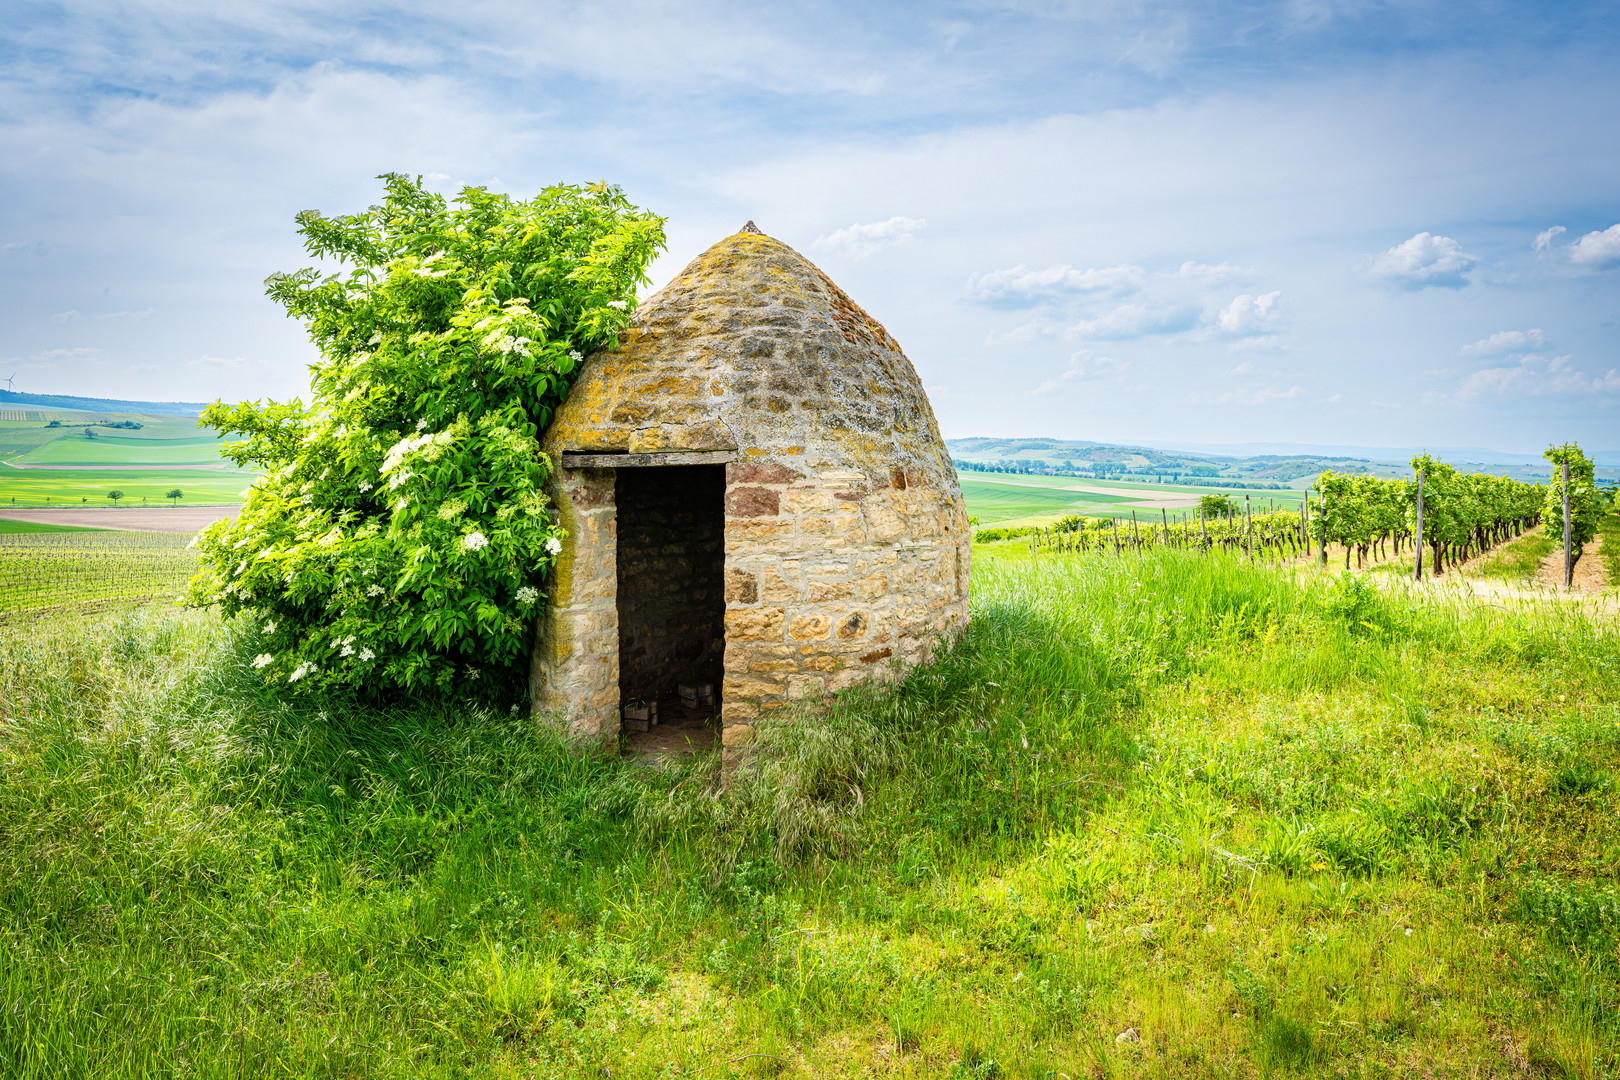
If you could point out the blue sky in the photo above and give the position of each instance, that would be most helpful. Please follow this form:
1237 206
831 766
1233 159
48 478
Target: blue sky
1316 222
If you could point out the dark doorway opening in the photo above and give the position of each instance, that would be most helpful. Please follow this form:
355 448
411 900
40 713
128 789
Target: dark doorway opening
672 608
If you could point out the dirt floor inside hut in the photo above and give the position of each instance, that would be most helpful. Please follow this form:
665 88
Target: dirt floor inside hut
680 733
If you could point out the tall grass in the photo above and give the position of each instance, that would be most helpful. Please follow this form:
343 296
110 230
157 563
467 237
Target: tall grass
1186 796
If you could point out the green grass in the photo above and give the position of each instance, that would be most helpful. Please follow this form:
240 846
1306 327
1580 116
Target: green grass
1609 532
1275 825
16 528
76 448
89 486
1518 559
62 566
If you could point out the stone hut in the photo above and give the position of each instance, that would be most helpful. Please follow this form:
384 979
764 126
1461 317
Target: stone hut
756 496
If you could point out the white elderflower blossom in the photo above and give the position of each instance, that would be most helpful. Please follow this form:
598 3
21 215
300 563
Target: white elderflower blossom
473 673
306 668
421 425
553 545
374 590
617 305
575 355
365 486
527 595
262 659
375 339
348 650
475 541
269 628
366 655
402 504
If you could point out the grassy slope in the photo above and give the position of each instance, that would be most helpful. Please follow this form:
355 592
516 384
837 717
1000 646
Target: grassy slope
75 448
1270 826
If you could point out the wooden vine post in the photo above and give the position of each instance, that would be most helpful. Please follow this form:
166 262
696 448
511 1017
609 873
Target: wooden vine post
1569 548
1418 573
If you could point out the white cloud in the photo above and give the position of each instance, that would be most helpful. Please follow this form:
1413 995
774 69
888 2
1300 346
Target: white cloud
1249 316
1134 321
1423 261
1538 376
1597 250
67 316
1504 341
67 354
219 362
1020 286
1545 237
1218 274
861 240
1085 366
144 313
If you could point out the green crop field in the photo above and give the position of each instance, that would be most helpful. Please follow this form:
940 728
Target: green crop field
76 448
8 527
45 466
1158 814
44 569
1013 499
58 487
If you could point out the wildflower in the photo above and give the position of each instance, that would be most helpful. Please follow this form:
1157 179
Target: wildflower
421 425
617 305
402 504
374 338
365 486
527 595
575 355
306 668
269 628
262 659
475 541
374 590
348 650
553 545
366 655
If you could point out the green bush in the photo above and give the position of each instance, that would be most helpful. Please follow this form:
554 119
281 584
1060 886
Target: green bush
400 537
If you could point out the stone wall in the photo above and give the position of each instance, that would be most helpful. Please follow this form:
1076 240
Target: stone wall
671 567
833 578
575 670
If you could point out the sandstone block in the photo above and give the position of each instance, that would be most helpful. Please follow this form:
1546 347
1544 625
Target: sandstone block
813 627
822 592
752 502
735 735
852 625
873 586
757 624
741 587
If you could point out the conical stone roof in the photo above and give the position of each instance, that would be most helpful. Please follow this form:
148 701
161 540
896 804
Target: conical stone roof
752 348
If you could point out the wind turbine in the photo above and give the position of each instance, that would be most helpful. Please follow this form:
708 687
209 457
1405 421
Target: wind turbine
11 382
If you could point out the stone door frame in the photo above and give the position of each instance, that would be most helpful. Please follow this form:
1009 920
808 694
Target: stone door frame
575 667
